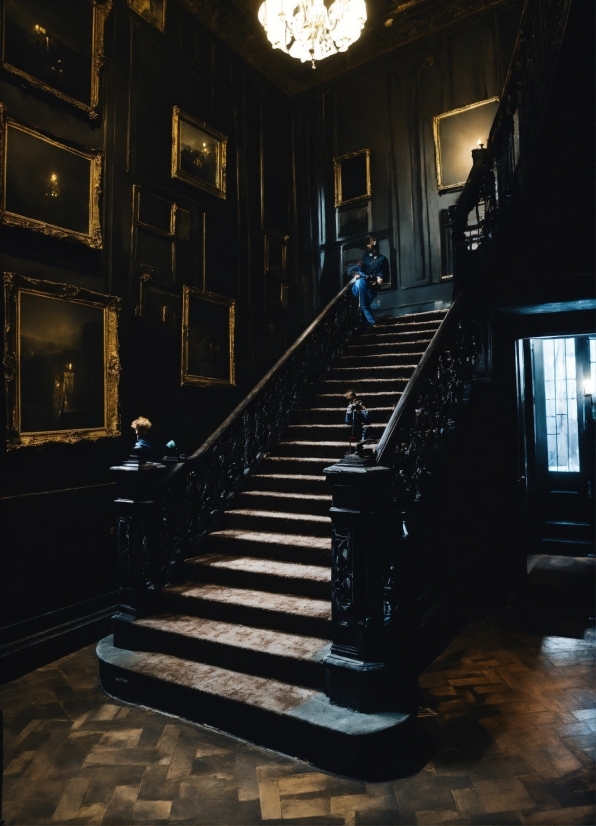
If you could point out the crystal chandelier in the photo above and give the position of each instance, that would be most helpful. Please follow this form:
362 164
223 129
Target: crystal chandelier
308 30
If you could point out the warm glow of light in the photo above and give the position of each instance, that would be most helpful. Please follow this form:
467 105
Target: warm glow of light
588 387
309 30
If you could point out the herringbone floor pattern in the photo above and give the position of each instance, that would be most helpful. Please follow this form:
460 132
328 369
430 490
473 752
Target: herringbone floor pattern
514 717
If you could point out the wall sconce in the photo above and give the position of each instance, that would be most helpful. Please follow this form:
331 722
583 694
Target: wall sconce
589 395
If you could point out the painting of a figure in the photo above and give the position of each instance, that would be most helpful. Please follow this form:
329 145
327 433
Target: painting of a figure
208 338
199 154
61 346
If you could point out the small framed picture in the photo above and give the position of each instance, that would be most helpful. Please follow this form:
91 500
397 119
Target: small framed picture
208 329
198 154
456 133
48 186
57 46
352 177
61 362
153 11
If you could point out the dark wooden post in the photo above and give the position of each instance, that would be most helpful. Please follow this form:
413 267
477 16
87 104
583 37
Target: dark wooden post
138 486
358 676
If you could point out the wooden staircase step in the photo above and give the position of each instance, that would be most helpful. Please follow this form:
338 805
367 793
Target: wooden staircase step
331 415
312 550
290 482
300 523
261 574
380 371
373 360
311 448
311 465
282 612
316 503
293 658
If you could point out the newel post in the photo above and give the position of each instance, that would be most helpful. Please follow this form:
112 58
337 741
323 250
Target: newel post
357 671
138 487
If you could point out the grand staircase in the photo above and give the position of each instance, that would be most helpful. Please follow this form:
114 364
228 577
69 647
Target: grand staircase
242 643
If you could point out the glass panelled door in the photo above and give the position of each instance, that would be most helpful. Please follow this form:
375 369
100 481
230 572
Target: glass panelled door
558 376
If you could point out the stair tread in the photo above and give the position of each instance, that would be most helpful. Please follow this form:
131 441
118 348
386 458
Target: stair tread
270 537
335 410
255 565
309 443
301 517
306 477
310 497
279 643
262 692
321 459
250 598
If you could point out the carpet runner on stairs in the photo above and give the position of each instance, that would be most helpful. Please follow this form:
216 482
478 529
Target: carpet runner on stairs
242 642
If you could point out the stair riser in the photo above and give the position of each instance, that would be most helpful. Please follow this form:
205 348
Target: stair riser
370 362
303 527
354 375
374 398
295 485
289 464
308 673
313 450
337 387
390 342
285 504
246 615
332 416
433 317
260 582
340 433
217 544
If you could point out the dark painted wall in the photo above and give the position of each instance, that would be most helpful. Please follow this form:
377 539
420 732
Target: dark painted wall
58 561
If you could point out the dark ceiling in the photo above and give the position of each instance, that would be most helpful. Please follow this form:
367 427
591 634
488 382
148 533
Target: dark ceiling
390 23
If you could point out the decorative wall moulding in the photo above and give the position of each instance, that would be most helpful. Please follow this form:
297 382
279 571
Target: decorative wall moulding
48 186
61 365
154 213
456 134
276 253
208 330
198 154
352 177
57 47
153 11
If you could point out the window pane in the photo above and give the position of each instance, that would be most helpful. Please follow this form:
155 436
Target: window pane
560 390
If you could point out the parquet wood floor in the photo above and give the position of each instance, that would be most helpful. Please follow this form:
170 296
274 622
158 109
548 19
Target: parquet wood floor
513 716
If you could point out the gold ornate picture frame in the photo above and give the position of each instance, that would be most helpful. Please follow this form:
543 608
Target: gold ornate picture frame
61 364
198 154
48 186
208 330
153 11
456 134
352 177
57 47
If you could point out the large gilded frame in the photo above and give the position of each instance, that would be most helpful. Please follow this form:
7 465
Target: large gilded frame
101 11
14 286
155 17
219 189
92 238
337 169
442 186
186 377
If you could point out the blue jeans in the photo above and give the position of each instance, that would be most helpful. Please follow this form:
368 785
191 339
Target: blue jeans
365 297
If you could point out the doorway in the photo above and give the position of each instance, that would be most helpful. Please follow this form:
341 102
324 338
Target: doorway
556 387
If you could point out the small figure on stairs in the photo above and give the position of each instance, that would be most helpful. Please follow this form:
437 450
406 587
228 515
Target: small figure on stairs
141 427
357 416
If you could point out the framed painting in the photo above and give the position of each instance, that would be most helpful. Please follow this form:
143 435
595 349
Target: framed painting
61 364
48 186
456 133
208 327
352 177
153 11
57 46
276 253
198 154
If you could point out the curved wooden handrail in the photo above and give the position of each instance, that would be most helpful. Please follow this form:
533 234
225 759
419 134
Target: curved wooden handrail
412 391
257 389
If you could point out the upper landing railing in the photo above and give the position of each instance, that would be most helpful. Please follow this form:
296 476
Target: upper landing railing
498 171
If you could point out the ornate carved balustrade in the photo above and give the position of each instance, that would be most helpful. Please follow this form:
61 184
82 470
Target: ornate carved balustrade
376 498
